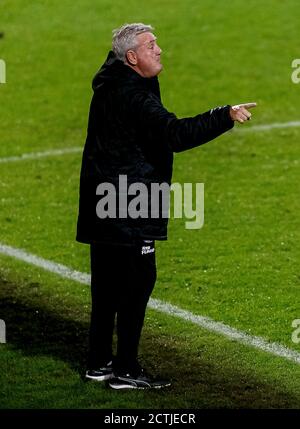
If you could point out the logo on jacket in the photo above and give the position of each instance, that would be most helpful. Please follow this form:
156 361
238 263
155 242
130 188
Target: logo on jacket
148 248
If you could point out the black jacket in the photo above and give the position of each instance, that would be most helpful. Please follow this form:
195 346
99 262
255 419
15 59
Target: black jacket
131 133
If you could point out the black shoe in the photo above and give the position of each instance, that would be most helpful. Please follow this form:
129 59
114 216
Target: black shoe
136 381
100 374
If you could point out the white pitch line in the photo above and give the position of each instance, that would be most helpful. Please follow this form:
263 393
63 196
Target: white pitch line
36 155
57 152
164 307
267 127
232 333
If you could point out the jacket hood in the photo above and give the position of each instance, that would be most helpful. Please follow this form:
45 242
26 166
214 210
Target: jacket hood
114 71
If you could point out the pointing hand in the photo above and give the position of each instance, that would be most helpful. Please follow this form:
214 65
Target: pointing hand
240 112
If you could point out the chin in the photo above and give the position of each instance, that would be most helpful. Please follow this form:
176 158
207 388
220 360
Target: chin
160 68
154 71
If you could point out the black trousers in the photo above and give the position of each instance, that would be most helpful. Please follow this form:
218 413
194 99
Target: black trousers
122 279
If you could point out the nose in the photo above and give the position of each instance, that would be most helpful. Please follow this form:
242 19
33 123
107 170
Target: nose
158 50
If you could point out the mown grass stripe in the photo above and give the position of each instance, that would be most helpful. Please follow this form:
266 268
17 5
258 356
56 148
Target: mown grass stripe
164 307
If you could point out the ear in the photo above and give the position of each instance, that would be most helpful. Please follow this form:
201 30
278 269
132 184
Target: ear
131 58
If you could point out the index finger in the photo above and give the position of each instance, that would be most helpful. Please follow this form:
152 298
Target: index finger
248 105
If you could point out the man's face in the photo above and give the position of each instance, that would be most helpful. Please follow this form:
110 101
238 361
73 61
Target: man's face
147 56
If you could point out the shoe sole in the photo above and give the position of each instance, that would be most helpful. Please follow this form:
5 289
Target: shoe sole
100 378
128 386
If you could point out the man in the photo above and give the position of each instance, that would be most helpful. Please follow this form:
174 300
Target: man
130 135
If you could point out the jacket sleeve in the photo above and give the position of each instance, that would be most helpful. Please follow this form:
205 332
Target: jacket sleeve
180 134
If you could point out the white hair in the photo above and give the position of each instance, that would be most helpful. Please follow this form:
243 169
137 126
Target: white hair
124 38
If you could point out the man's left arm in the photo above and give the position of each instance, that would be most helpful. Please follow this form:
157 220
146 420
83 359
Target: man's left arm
187 133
